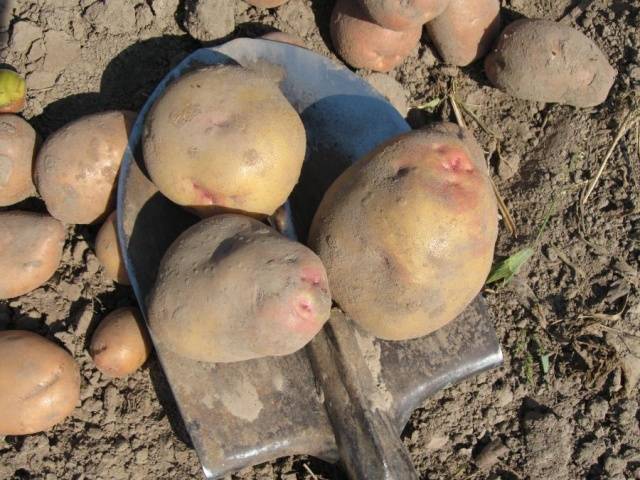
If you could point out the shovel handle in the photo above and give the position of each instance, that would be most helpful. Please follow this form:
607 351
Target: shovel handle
368 442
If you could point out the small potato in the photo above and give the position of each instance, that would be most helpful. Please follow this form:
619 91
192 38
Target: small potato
407 233
402 14
283 37
108 251
224 138
230 288
17 151
465 30
13 90
363 44
266 3
120 344
39 383
30 251
76 168
546 61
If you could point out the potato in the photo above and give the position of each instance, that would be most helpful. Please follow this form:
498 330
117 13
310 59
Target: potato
230 288
546 61
266 3
108 251
30 251
465 30
120 345
13 90
283 37
407 233
39 383
224 138
402 14
17 150
76 169
363 44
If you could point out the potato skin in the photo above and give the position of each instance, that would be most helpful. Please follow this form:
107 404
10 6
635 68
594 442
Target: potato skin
39 383
547 61
108 251
401 15
407 233
76 169
120 345
465 30
17 151
363 44
30 251
224 138
230 288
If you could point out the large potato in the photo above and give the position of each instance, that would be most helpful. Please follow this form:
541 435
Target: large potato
224 138
30 251
17 150
364 44
546 61
407 233
108 251
402 14
76 168
230 288
39 383
465 30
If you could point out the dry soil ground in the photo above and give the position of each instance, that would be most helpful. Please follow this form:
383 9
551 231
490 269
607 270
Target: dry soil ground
562 406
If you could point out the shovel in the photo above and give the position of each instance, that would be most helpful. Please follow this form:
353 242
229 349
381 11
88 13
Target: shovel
347 395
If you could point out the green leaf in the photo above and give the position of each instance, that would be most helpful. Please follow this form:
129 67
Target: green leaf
431 105
507 268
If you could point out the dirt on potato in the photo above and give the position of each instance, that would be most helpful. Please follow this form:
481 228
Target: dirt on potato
562 406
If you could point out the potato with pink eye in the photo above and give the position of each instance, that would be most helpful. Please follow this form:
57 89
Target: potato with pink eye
407 233
401 15
364 44
230 289
463 33
108 251
17 152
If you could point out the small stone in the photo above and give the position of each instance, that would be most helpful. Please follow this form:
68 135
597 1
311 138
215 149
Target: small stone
208 20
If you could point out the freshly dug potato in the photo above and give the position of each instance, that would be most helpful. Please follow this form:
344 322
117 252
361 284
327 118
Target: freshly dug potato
547 61
363 44
13 90
266 3
39 383
30 251
283 37
108 251
230 288
224 138
407 233
465 30
76 168
17 150
402 14
120 344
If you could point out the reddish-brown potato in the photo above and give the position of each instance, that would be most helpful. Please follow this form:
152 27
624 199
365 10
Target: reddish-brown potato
108 251
283 37
266 3
463 33
546 61
407 233
225 138
230 288
402 14
363 44
17 150
30 251
76 169
39 383
120 345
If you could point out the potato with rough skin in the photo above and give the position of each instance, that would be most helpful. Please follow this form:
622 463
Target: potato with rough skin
224 138
39 383
546 61
120 345
402 14
77 167
17 151
230 288
266 3
108 251
407 233
30 251
364 44
463 33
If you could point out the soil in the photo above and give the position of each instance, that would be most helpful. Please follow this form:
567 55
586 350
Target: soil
565 404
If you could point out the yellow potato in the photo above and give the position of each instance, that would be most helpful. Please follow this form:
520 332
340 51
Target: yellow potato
108 251
17 150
